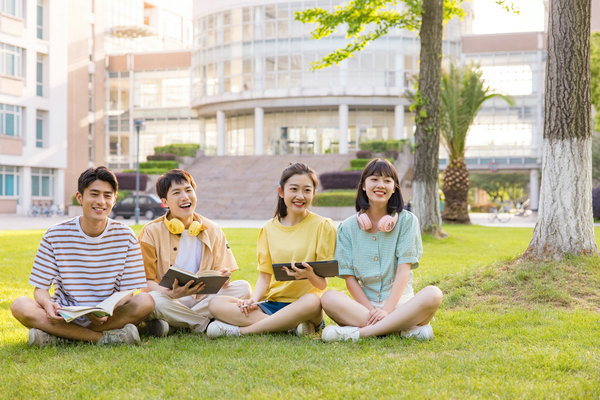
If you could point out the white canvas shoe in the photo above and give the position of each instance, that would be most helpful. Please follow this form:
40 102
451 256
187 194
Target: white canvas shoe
424 332
217 329
126 335
305 328
335 333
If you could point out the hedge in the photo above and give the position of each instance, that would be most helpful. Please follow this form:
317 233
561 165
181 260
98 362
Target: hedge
168 164
148 171
379 146
161 157
361 163
180 149
337 198
127 180
340 180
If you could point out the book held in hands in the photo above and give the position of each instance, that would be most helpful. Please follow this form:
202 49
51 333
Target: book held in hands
323 269
213 280
104 308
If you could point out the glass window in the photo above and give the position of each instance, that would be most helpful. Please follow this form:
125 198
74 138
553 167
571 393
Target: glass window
40 19
39 129
40 75
10 120
9 181
11 60
12 7
42 182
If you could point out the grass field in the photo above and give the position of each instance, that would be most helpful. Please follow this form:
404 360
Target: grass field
506 329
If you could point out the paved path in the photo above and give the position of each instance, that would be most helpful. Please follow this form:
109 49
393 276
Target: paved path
10 222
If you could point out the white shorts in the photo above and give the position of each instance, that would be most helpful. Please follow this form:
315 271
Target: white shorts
402 301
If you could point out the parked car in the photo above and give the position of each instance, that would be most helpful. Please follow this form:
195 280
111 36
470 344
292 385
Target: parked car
150 207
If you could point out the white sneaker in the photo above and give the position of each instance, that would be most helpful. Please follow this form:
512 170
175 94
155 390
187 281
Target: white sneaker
157 327
217 329
39 338
335 333
305 328
127 335
424 332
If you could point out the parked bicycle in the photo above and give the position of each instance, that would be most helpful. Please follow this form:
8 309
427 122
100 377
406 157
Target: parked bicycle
45 210
496 214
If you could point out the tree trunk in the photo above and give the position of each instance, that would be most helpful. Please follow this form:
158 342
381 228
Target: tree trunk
427 134
565 222
456 192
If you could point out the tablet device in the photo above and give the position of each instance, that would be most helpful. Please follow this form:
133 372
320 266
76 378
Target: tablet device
324 269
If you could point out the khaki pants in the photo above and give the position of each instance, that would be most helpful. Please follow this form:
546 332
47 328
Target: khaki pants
190 313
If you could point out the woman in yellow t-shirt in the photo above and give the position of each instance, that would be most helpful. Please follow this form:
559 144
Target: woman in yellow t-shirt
293 235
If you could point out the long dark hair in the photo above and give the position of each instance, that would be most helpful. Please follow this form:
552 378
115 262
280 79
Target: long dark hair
296 168
379 167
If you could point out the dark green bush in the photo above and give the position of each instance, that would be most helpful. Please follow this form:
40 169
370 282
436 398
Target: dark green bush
360 163
336 198
160 157
179 149
379 146
168 164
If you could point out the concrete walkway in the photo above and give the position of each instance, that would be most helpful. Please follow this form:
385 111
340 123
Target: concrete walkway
11 222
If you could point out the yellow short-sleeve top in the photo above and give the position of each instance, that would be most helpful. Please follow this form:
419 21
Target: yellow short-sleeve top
313 239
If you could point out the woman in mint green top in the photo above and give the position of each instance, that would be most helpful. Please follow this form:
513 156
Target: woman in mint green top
377 249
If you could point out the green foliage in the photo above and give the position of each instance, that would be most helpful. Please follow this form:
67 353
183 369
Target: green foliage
74 200
463 94
335 198
379 146
361 163
179 149
169 164
365 21
502 187
595 76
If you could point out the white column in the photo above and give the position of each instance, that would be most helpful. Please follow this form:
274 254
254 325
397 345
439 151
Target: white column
534 189
220 133
259 131
25 195
399 122
343 123
59 195
131 155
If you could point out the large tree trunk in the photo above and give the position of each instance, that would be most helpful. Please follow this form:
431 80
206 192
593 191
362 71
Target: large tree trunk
427 135
565 222
456 192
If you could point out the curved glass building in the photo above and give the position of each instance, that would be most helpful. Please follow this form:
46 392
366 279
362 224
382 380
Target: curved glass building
255 93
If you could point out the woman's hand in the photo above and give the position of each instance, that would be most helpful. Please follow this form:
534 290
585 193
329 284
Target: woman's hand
376 315
300 273
246 305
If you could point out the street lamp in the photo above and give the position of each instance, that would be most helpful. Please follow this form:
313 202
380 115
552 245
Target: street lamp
138 125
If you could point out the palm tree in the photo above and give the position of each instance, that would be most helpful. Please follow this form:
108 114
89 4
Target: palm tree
463 93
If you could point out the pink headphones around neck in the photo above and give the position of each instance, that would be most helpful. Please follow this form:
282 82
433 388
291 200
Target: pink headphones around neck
385 224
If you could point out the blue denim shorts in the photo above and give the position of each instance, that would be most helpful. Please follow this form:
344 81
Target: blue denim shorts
271 307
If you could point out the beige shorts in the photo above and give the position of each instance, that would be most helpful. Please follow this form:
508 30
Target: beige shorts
402 301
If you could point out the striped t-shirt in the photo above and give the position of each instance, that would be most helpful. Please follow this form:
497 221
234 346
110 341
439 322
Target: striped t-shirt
86 270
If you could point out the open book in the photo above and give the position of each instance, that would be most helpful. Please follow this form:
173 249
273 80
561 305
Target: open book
213 280
103 308
322 268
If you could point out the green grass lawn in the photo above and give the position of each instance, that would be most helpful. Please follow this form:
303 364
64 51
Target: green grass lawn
506 330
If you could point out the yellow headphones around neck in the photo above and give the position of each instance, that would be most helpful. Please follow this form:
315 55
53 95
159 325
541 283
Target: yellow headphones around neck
176 227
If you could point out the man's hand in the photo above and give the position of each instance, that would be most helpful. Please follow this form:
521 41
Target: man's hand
225 272
51 309
97 321
178 291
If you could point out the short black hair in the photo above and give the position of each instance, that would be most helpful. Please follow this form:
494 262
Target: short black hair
164 182
100 173
379 167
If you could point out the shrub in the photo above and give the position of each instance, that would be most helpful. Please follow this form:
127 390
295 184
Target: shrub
361 163
340 179
161 157
484 208
364 154
179 149
336 198
166 164
379 146
596 202
391 155
127 180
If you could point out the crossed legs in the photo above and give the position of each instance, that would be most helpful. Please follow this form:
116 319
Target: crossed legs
417 311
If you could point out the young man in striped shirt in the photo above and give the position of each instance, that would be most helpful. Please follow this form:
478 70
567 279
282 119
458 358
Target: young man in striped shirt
86 259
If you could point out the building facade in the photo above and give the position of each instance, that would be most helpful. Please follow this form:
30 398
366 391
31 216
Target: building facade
33 103
255 93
